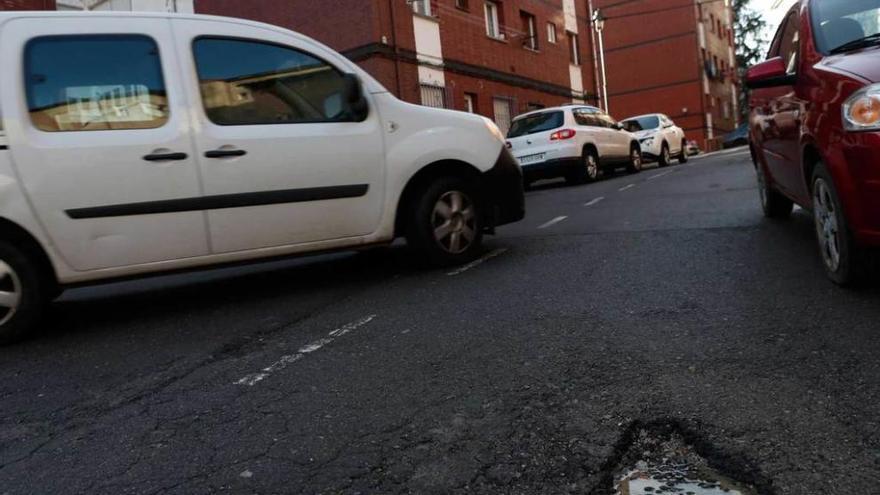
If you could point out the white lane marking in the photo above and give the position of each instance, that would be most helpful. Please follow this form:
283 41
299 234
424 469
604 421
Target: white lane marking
285 361
552 222
734 151
624 188
595 201
660 175
475 263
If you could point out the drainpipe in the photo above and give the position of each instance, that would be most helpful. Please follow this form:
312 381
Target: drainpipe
595 54
396 50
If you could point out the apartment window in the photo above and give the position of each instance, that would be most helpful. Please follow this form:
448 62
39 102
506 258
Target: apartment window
461 4
712 22
503 108
470 103
530 27
720 29
95 83
551 32
422 7
574 49
433 96
726 110
493 20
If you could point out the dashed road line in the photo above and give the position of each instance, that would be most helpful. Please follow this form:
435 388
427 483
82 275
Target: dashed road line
475 263
285 361
552 222
624 188
595 201
664 174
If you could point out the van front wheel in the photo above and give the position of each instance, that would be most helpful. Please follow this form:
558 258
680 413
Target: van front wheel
23 294
446 222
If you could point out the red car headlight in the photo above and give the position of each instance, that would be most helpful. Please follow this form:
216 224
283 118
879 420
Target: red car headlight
861 112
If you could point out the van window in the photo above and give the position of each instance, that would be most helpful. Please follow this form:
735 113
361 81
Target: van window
250 82
95 83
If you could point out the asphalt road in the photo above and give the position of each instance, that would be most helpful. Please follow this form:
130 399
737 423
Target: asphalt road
670 300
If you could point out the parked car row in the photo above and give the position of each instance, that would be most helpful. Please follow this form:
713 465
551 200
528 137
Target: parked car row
134 144
580 142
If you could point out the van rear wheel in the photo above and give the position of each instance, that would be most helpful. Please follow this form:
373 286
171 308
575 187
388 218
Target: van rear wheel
446 222
23 294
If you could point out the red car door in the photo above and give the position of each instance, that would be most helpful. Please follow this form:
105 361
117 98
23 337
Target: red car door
778 113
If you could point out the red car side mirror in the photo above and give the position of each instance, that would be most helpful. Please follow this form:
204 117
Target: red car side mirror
769 74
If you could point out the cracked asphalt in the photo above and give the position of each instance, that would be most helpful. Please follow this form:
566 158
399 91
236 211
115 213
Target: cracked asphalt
669 301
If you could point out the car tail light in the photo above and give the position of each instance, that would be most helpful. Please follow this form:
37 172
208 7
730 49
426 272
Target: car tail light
563 134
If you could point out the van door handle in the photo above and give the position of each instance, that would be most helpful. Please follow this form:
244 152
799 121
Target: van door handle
166 157
224 153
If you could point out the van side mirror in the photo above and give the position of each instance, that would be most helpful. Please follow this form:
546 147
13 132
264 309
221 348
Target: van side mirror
353 93
617 126
769 74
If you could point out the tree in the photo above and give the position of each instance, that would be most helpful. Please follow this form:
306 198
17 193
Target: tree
750 44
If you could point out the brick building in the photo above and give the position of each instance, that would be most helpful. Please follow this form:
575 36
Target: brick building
500 58
27 5
496 58
675 57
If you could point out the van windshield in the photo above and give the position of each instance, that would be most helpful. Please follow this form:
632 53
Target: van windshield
539 122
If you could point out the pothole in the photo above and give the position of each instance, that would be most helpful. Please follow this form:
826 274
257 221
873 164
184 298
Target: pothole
658 460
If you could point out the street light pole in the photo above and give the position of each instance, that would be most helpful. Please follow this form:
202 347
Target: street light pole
599 25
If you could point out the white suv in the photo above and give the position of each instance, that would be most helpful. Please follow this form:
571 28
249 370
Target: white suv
660 138
577 142
132 144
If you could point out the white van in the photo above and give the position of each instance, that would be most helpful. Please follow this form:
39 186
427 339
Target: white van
134 144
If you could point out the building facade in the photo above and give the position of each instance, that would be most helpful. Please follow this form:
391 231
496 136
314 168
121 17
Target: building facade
496 58
500 58
27 5
675 57
182 6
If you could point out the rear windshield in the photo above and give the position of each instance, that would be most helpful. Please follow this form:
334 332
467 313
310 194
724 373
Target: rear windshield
539 122
642 123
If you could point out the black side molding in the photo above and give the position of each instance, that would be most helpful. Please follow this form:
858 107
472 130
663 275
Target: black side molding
221 201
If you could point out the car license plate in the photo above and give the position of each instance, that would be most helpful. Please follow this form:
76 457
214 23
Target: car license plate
525 160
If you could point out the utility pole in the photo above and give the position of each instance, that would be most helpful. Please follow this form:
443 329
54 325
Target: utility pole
599 25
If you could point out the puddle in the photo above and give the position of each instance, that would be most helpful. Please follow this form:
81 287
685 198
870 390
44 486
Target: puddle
666 464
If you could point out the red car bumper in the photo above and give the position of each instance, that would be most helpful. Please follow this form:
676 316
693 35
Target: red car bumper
855 163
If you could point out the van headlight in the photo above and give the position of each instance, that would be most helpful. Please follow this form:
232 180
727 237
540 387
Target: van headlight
861 112
494 129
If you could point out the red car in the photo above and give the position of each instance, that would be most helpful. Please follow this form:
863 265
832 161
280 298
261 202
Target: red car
815 127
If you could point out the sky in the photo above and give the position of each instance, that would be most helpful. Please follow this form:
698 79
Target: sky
772 15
